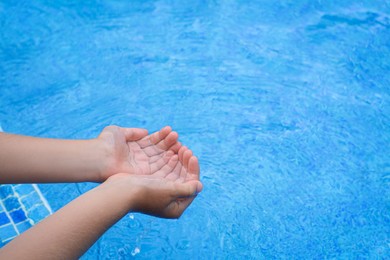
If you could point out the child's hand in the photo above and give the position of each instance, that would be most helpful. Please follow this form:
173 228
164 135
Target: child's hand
131 150
165 193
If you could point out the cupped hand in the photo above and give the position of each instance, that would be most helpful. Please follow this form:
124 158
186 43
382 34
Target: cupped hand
133 151
168 191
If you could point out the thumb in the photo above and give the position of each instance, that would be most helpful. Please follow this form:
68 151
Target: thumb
188 189
134 134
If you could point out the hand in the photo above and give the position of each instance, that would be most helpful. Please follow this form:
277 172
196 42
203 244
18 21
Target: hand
131 150
168 191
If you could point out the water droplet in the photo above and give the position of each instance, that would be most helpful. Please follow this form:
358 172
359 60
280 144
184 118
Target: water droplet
136 251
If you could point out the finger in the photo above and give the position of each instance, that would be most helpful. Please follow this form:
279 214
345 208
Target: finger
176 147
181 152
163 146
168 141
167 168
134 134
187 189
163 160
193 168
155 137
160 135
183 175
175 174
186 157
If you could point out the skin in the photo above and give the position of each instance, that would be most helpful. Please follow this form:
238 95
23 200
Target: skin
128 150
67 234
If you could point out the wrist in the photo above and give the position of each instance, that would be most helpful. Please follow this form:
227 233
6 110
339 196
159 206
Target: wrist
125 189
101 154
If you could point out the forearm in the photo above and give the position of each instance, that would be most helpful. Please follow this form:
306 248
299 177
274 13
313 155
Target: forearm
28 159
73 229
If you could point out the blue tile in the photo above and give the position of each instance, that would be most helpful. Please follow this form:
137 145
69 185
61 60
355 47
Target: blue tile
11 203
4 219
38 213
31 200
18 216
1 209
23 226
24 189
3 243
6 190
7 232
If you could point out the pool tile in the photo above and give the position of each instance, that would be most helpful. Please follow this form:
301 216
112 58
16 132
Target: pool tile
18 216
20 207
38 213
6 190
11 203
23 226
31 200
7 232
4 219
23 189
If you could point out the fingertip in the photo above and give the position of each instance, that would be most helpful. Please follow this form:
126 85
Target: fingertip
144 131
160 135
172 137
199 187
195 188
166 129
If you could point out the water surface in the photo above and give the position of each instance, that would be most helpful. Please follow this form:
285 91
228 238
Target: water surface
286 105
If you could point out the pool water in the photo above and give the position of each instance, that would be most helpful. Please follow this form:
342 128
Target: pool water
285 103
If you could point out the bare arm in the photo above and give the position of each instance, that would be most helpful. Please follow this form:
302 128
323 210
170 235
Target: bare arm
73 229
26 159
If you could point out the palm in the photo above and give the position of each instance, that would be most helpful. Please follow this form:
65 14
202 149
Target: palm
145 157
133 152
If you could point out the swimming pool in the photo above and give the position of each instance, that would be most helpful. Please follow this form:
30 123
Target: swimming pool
286 105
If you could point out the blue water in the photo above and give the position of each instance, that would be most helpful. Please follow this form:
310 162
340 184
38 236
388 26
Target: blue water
287 105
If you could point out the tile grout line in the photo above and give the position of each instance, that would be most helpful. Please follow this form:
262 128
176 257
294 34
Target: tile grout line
47 205
9 217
